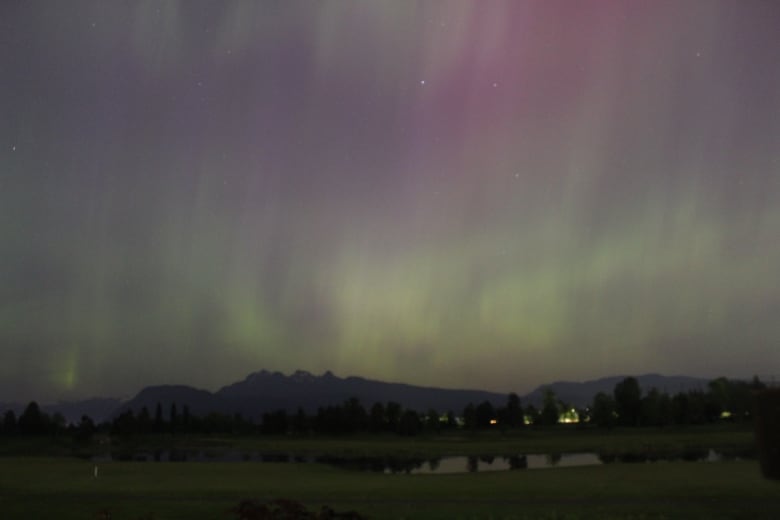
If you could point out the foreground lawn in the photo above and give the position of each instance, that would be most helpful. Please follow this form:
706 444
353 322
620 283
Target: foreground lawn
66 489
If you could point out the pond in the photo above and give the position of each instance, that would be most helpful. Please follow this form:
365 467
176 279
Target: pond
412 465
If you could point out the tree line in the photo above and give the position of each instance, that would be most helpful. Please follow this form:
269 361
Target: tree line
723 400
627 406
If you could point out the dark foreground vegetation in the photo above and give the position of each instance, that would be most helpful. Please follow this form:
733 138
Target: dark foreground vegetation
283 509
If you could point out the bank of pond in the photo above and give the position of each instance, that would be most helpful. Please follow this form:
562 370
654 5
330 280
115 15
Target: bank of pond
432 465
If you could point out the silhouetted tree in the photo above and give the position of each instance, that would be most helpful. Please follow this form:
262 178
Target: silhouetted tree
514 412
144 421
393 414
242 425
185 419
484 414
124 424
628 401
757 384
720 391
650 409
733 397
470 416
451 421
355 416
665 410
300 423
275 423
85 429
744 399
697 406
159 425
551 409
330 419
57 424
410 423
680 409
9 422
532 413
432 422
217 423
174 418
32 421
376 418
603 410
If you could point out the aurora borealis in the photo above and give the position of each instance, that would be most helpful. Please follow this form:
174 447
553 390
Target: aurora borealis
464 194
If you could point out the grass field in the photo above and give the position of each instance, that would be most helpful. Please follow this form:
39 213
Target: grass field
65 488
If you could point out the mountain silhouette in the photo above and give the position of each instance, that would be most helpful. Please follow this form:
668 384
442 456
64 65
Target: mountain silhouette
580 394
265 391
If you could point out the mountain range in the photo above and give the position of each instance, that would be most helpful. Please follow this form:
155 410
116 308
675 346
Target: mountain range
266 391
580 394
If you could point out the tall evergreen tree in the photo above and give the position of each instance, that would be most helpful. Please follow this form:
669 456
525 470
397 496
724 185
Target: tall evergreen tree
628 401
32 421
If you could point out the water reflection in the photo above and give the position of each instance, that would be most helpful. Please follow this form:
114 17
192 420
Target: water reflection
688 454
420 465
474 464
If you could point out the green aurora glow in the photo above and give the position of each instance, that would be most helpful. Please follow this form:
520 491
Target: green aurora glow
436 193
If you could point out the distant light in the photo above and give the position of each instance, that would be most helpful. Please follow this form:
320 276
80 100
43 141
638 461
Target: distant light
725 414
569 417
422 82
493 421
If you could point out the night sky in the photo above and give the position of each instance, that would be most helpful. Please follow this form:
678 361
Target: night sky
463 194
